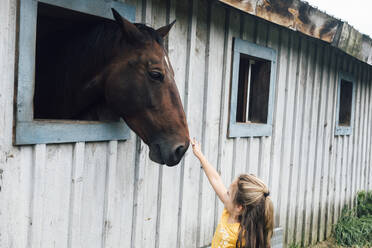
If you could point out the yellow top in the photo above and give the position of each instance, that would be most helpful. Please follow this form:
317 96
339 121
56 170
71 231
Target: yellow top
226 234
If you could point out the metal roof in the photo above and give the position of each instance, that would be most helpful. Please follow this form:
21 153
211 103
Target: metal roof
301 16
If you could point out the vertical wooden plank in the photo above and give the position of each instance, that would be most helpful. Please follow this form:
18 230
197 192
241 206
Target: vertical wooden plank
274 42
37 208
365 124
295 164
302 142
287 167
145 204
339 141
8 19
240 157
16 192
211 116
338 176
170 180
368 159
306 176
189 235
312 148
335 147
76 194
111 230
200 74
360 127
331 145
253 150
343 155
56 195
16 163
172 193
356 131
170 176
322 149
225 145
125 176
213 101
353 144
265 159
160 19
283 56
335 155
269 167
318 132
94 182
327 135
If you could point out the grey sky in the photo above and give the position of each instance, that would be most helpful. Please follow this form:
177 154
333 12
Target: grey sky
357 13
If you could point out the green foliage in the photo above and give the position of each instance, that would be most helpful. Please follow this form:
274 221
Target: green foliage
355 225
294 245
364 203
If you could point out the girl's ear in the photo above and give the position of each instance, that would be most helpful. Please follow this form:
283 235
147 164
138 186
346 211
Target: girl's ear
239 208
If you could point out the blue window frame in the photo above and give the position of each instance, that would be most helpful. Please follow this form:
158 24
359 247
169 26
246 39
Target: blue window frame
31 131
345 104
252 90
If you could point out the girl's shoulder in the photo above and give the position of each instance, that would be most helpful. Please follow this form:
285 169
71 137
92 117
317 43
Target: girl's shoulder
225 216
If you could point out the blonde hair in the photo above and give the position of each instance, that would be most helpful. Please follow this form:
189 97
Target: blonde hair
257 218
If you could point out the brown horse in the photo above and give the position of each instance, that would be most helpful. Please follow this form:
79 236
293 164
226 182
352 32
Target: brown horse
117 68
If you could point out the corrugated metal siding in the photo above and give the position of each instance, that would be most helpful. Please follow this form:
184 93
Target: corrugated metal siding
109 194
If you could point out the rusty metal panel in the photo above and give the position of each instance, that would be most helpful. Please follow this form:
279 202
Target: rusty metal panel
354 43
292 14
300 16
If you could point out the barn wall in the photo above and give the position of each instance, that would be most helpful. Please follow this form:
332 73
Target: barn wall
109 194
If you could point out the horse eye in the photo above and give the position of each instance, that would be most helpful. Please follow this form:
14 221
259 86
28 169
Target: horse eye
155 75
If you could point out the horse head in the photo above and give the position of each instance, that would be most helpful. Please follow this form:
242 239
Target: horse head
139 86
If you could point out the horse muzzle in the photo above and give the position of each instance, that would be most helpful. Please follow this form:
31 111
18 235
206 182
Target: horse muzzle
166 153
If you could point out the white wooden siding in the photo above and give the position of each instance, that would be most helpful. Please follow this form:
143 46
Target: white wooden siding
109 194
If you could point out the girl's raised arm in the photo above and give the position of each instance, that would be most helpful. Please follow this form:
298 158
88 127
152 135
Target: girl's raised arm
214 178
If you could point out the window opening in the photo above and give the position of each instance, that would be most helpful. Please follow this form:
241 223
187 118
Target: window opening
346 97
253 90
57 28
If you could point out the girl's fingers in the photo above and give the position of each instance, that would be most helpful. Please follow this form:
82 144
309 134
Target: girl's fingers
194 142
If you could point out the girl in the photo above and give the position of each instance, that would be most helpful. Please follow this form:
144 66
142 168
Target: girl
247 219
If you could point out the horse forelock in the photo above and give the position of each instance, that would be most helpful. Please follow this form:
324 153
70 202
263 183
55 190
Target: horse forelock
150 34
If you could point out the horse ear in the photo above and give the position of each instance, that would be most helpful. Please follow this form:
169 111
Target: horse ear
163 31
130 30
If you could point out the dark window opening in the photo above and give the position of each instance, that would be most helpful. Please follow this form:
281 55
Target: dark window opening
346 97
57 28
253 90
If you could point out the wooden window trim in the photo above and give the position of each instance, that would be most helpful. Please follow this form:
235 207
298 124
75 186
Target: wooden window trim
238 129
30 131
341 129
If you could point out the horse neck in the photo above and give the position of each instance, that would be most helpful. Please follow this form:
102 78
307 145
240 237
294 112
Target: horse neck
90 53
101 44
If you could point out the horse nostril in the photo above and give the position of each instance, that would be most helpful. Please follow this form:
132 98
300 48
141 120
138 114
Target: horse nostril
180 150
175 154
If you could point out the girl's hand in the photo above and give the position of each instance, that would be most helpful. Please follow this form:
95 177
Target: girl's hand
196 148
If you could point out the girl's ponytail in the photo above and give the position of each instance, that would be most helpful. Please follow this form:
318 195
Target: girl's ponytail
269 218
257 219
